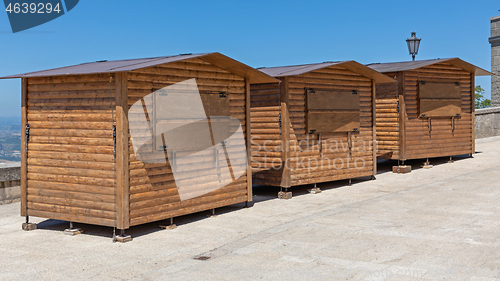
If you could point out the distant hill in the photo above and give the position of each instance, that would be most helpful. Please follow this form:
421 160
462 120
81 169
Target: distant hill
14 120
10 138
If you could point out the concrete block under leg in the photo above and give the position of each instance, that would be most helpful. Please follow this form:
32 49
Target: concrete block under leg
29 226
285 195
401 169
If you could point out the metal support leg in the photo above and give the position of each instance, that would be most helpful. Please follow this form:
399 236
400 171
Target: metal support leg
27 226
314 190
71 230
350 182
122 238
170 226
427 164
451 160
213 213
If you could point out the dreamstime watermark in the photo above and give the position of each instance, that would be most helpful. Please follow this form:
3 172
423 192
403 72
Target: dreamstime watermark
455 273
312 154
26 14
190 134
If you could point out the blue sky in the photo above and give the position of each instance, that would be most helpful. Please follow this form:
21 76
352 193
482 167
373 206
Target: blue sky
258 33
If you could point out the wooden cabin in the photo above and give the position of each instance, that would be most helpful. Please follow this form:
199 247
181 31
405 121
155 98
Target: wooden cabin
316 125
429 111
79 154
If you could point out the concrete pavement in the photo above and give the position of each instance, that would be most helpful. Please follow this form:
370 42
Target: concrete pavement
425 225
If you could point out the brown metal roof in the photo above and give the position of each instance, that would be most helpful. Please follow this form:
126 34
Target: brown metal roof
217 59
354 66
410 65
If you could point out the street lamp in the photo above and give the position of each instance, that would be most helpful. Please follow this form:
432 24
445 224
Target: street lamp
413 44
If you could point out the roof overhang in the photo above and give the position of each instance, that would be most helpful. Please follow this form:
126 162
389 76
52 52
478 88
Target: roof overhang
412 65
283 71
217 59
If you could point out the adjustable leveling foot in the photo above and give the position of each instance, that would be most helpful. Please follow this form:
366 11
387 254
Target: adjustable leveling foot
122 238
72 231
170 226
314 190
427 164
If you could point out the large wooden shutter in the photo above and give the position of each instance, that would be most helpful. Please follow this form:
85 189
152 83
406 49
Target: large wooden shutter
439 99
186 130
332 111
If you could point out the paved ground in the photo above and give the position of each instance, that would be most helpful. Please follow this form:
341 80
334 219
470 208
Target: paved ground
430 222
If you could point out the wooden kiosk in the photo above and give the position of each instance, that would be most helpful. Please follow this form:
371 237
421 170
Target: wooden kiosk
78 160
315 126
429 112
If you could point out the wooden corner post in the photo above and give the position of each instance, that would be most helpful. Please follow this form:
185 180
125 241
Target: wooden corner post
24 150
248 136
473 112
122 153
285 133
402 116
374 126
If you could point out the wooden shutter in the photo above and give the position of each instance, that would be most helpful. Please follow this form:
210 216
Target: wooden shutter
332 111
187 130
439 99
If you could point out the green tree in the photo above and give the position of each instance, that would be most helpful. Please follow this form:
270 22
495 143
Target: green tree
481 102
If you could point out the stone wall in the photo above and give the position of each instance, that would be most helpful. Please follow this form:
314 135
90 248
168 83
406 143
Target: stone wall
487 122
495 61
10 180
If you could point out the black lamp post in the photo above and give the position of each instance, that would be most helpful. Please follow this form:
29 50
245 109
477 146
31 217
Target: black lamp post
413 44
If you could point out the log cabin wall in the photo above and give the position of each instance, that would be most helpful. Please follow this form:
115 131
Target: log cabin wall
153 192
70 161
266 136
442 140
333 161
388 110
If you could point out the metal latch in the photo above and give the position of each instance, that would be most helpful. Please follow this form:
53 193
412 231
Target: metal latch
27 132
114 139
398 106
349 143
320 148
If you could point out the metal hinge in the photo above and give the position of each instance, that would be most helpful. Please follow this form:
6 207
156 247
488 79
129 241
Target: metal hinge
222 95
279 120
114 140
354 92
27 132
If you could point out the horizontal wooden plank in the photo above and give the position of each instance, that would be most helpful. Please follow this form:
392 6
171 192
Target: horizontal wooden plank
70 202
54 214
110 215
